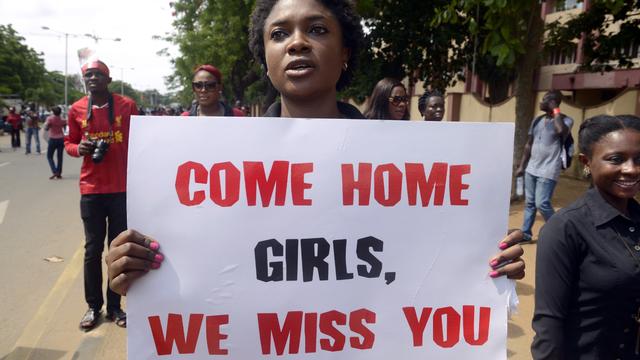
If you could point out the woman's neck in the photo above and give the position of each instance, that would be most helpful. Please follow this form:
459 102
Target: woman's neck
326 107
210 110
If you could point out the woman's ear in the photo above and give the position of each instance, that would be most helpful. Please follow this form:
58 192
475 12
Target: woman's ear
346 54
584 160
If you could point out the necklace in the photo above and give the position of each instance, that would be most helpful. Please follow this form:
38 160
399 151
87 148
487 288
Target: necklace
631 252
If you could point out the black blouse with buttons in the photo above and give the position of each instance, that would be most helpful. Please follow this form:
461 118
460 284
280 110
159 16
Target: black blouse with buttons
587 294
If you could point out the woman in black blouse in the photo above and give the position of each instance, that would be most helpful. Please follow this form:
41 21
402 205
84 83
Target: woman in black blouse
588 263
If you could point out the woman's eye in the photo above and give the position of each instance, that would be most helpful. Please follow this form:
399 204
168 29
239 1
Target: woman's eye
615 159
278 34
318 29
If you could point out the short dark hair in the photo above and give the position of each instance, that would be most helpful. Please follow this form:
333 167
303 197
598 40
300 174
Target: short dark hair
555 95
595 128
422 101
343 10
378 105
56 110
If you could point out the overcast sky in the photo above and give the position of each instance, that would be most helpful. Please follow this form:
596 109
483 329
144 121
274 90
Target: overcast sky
134 21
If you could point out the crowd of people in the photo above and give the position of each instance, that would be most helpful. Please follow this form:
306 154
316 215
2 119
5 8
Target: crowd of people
588 260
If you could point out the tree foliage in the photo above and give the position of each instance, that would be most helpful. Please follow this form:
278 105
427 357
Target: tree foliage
603 48
117 86
22 73
21 68
213 32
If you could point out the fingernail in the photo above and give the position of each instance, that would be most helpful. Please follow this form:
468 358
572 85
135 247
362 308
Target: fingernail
155 265
154 245
503 245
494 263
158 258
491 274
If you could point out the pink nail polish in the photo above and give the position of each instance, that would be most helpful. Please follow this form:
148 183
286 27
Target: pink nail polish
158 258
503 245
155 265
493 263
493 274
154 245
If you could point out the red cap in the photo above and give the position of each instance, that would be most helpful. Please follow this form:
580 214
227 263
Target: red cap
95 64
211 70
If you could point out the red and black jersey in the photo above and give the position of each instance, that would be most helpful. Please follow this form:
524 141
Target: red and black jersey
110 175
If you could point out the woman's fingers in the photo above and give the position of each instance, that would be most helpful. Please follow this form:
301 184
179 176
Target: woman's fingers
515 269
514 236
131 255
120 284
132 236
509 262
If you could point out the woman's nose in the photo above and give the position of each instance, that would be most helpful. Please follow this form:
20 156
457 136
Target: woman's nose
299 43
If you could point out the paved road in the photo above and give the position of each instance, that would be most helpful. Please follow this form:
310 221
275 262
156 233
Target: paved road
42 302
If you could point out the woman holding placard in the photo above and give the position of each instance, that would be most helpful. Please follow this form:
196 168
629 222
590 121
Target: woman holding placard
308 49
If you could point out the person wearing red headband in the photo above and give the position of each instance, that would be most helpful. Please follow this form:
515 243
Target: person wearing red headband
99 132
207 87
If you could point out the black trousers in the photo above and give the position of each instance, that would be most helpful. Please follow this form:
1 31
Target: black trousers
15 137
102 215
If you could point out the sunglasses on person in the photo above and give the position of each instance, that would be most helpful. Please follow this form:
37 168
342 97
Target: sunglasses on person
206 85
396 100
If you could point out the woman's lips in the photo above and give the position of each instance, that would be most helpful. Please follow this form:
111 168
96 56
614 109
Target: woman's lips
299 68
627 184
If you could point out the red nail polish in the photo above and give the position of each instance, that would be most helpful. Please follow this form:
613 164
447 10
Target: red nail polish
158 258
503 245
494 274
154 245
155 265
493 263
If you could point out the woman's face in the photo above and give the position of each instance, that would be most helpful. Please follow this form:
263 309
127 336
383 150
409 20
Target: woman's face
303 49
206 88
434 110
615 166
398 103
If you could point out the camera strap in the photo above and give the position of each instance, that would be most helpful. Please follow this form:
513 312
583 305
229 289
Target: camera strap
111 113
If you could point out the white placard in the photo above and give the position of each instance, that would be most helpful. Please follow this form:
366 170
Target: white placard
319 238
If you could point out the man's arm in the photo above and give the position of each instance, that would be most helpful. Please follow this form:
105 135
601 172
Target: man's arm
526 155
558 119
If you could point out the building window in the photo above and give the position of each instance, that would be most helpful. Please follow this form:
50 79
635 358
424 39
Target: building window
563 5
559 57
630 49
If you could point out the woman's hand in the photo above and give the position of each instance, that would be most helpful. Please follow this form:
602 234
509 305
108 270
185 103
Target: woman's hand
509 261
130 256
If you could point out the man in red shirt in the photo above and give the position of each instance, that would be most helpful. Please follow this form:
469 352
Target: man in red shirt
99 132
16 123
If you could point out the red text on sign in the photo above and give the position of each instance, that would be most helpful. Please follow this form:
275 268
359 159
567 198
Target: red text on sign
475 332
192 178
174 333
388 182
332 324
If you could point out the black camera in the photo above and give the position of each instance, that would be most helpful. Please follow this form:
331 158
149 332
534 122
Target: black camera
100 148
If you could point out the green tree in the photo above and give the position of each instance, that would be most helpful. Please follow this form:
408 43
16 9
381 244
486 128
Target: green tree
117 86
603 48
436 41
22 71
215 32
